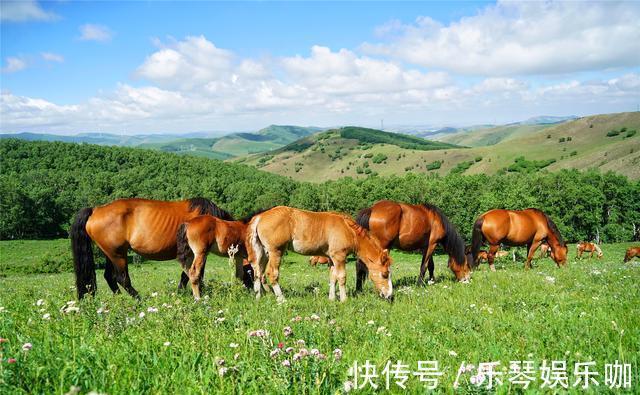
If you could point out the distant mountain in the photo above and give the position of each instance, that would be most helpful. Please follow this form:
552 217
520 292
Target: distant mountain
547 119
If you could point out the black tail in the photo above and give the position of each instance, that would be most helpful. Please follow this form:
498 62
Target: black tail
82 250
452 243
476 240
363 217
184 255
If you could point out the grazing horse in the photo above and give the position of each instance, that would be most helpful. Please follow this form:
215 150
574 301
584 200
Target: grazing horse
410 227
631 252
334 235
206 233
528 227
585 246
322 260
148 227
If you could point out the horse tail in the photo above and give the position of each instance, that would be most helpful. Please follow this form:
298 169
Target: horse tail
476 240
452 243
363 217
81 248
184 252
255 249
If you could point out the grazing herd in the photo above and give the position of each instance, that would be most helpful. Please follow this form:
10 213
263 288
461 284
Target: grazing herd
189 230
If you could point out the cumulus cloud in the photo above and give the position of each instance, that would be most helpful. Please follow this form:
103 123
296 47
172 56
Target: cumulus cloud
24 11
13 64
52 57
519 38
91 32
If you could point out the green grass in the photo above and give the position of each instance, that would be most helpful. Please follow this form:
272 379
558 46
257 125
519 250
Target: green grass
575 314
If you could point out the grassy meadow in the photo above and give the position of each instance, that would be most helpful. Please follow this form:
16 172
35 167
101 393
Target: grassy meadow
165 342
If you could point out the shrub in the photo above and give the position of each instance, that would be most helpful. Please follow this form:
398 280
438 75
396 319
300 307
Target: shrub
379 158
435 165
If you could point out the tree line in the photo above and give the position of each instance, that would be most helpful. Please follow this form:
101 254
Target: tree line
43 185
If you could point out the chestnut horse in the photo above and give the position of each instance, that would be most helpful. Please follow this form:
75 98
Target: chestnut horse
545 250
148 227
631 252
585 246
206 233
528 227
319 260
411 227
334 235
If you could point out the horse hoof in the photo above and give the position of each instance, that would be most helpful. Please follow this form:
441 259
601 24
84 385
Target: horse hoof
281 300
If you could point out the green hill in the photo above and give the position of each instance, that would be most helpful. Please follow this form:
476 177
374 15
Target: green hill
581 144
491 135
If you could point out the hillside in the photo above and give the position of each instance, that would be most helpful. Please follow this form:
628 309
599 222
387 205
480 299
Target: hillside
94 138
235 144
490 135
582 144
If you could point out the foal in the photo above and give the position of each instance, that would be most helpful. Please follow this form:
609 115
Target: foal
328 234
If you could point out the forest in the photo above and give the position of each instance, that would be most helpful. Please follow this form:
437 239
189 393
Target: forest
43 185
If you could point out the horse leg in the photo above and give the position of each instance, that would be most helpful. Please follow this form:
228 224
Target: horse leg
341 273
195 274
493 248
273 272
110 276
259 265
333 277
361 274
122 273
426 257
532 251
184 280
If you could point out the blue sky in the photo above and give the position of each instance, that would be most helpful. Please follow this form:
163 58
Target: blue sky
140 67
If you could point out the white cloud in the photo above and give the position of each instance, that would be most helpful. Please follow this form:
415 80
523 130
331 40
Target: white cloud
52 57
518 38
23 11
91 32
13 64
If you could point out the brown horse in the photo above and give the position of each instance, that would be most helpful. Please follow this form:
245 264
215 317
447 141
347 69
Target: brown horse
328 234
319 260
631 252
585 246
528 227
148 227
410 227
206 233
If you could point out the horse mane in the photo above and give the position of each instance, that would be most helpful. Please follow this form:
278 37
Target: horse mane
451 242
248 217
363 217
206 206
551 225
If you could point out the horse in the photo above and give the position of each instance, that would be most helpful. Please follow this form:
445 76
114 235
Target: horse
206 233
322 260
528 227
148 227
631 252
411 227
545 250
329 234
585 246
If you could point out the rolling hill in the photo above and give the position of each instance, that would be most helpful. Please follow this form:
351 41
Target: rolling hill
606 142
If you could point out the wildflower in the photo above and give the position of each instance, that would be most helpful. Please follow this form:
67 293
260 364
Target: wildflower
582 314
297 356
550 279
152 309
46 316
73 390
314 317
280 345
370 322
472 305
453 353
274 353
348 386
220 319
219 361
315 352
2 309
287 331
154 294
258 333
286 363
337 354
39 302
236 356
321 356
11 360
381 329
304 352
220 312
27 346
332 322
296 319
222 371
102 310
233 345
141 315
289 350
167 344
300 342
